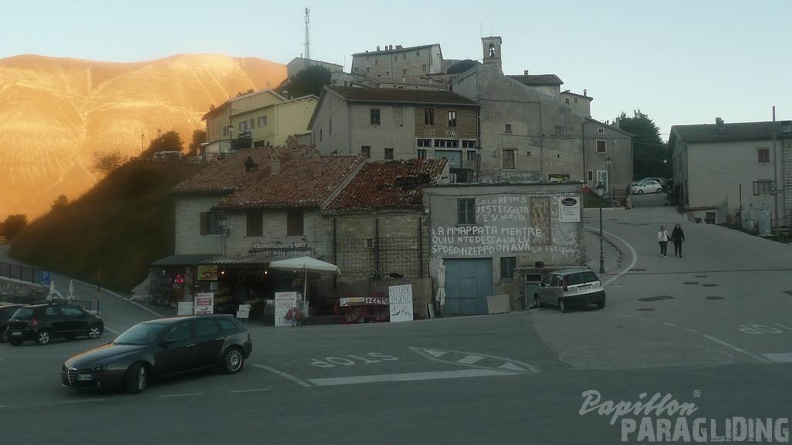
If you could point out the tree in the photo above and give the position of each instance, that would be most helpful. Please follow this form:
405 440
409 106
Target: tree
311 80
13 225
199 137
169 141
60 203
649 150
105 163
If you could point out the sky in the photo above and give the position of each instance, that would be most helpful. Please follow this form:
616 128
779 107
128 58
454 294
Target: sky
678 61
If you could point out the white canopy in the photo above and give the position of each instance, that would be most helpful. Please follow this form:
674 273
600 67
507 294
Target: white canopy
304 264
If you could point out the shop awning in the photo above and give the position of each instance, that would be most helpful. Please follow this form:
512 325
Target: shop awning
182 260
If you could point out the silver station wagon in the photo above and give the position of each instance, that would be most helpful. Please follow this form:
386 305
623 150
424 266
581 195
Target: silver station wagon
570 287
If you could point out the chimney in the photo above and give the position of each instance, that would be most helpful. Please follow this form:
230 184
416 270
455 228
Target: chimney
378 48
525 72
585 93
275 164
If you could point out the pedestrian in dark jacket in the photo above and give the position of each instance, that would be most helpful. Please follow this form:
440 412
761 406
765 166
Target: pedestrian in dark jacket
677 236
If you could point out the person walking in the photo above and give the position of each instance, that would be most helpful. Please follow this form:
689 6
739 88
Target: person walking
677 236
663 237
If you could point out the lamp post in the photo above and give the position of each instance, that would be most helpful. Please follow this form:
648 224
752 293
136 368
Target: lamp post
602 256
608 161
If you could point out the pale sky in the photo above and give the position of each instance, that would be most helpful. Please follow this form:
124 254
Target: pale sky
679 61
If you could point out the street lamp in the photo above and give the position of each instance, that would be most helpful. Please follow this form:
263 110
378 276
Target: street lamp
608 161
602 256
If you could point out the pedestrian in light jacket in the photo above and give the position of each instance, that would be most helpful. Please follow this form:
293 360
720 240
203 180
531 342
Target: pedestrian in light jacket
677 236
662 238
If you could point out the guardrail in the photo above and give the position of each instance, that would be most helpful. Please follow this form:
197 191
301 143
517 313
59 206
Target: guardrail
21 272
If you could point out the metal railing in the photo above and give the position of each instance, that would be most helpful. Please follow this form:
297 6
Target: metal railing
21 272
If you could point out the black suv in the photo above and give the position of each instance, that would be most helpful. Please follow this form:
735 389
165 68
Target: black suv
41 322
6 311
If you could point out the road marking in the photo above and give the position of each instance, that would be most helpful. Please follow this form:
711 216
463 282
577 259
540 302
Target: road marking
784 357
294 379
82 401
470 359
671 324
111 330
691 330
632 252
753 356
193 394
434 353
409 377
249 390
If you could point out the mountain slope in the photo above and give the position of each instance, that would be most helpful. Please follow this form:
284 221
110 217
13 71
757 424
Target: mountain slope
55 114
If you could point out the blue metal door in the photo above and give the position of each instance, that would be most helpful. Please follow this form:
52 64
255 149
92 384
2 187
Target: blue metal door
468 284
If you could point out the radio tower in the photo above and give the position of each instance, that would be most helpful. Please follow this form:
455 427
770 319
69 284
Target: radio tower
307 35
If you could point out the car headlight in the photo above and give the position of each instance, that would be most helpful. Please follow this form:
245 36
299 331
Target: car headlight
97 369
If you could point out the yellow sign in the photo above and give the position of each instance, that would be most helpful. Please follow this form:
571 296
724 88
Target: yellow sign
207 273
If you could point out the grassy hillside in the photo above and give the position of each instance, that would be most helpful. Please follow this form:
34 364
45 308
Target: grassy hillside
118 227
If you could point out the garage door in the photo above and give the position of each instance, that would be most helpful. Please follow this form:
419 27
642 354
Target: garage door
468 284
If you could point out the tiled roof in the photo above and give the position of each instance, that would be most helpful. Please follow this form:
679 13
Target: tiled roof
306 182
229 175
537 80
742 131
389 185
396 95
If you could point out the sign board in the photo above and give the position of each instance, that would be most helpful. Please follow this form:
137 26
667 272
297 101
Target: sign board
243 313
283 302
204 303
185 308
207 273
401 304
569 210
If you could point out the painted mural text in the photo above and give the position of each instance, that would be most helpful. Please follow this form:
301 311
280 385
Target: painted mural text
502 208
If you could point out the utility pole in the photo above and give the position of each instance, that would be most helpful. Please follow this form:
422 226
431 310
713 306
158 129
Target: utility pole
307 35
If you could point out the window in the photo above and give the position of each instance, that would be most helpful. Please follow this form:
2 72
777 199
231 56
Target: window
321 134
507 129
466 211
423 67
472 155
452 119
365 151
446 143
507 266
404 71
424 142
205 327
429 116
764 155
575 100
294 223
468 144
254 221
492 50
590 175
601 146
763 187
388 154
600 130
225 131
330 129
508 158
210 223
180 332
376 62
252 123
262 121
404 56
421 153
375 116
566 100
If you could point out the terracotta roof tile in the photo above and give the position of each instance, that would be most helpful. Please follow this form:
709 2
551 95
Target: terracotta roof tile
389 185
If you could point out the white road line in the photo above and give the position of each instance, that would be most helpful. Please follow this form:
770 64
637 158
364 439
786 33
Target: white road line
470 359
753 356
111 330
249 390
193 394
409 377
691 330
671 324
784 357
82 401
294 379
632 251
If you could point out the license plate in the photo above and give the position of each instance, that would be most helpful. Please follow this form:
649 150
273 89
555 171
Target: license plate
582 288
16 334
84 377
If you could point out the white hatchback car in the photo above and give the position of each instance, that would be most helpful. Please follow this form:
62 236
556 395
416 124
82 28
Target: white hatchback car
650 186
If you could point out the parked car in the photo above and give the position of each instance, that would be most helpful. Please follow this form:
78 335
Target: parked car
650 186
161 348
6 311
43 321
570 287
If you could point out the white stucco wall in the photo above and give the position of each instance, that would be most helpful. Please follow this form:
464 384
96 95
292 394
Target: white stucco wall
188 238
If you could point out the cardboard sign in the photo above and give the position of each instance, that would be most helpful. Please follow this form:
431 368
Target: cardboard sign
283 302
401 304
204 303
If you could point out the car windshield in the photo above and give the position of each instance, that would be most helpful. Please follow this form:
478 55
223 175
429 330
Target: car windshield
141 334
23 313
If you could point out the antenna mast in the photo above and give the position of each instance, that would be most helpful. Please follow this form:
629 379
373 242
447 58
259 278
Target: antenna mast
307 35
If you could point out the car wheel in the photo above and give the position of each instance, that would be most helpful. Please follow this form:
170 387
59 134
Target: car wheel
95 331
601 304
15 342
659 191
233 359
43 337
640 192
4 336
562 306
538 301
136 378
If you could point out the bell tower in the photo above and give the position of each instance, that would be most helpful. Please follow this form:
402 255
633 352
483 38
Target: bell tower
491 47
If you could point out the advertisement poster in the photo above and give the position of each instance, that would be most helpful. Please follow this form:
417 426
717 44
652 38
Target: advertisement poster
207 273
283 302
204 303
401 303
569 210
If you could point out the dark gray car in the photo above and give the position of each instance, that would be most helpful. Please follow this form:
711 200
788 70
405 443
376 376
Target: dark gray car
570 287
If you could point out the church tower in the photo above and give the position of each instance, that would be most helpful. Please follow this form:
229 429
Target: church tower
491 47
